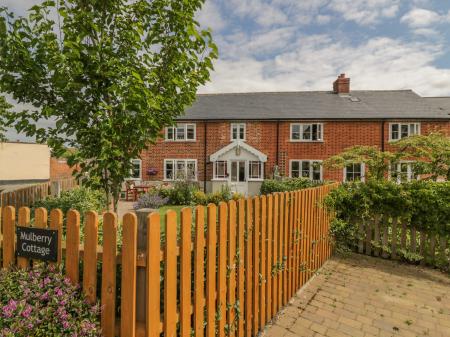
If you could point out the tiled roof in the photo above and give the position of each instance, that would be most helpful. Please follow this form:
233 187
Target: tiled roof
401 104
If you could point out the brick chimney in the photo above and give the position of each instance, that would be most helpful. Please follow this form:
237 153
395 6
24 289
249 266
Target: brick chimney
341 85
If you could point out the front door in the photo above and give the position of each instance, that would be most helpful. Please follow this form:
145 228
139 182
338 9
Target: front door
238 177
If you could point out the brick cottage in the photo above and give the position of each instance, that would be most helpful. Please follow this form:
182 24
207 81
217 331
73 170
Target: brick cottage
240 139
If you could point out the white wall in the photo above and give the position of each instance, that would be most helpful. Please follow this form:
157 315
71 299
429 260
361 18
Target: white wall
24 161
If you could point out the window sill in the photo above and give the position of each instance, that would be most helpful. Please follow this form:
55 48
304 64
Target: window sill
180 141
255 180
219 179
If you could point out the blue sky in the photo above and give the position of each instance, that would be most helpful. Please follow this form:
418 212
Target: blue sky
289 45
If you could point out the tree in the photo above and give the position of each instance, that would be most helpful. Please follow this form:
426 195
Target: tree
109 74
432 153
4 109
376 161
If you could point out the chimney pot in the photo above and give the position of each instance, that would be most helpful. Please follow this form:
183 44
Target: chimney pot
341 85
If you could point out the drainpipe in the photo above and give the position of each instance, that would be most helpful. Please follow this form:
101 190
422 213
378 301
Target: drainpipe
204 156
382 135
278 142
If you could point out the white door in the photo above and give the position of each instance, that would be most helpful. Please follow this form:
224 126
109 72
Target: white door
238 177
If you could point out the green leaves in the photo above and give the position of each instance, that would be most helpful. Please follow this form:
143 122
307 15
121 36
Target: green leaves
111 74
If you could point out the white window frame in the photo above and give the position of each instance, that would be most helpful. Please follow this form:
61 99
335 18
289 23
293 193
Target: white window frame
311 172
363 172
140 170
261 171
174 163
174 132
416 125
238 125
302 127
410 171
215 177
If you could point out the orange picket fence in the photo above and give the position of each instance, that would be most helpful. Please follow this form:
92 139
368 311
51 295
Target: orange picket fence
220 270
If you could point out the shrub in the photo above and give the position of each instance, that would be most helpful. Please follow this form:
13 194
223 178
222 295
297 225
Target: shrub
182 193
200 198
150 200
215 198
42 302
289 184
82 199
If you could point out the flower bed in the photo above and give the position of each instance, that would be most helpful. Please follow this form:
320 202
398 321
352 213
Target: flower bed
42 302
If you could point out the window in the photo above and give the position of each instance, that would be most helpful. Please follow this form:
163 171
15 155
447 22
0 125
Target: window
398 130
403 172
180 169
181 133
220 170
311 169
255 170
307 132
135 172
354 172
237 131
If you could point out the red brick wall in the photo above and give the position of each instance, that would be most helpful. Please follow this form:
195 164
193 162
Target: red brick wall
59 169
338 135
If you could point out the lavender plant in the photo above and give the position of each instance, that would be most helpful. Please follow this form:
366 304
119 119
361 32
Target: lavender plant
150 200
42 302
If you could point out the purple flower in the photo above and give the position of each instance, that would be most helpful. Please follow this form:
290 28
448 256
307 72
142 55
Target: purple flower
47 281
58 292
27 312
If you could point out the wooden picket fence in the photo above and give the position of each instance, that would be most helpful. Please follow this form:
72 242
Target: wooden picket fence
394 238
224 273
26 196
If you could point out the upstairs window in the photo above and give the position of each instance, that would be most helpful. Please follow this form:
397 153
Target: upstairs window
237 131
354 172
181 133
402 130
310 169
307 132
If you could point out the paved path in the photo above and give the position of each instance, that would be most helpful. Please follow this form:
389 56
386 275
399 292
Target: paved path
360 296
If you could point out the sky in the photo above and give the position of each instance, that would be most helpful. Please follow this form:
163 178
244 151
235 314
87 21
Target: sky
292 45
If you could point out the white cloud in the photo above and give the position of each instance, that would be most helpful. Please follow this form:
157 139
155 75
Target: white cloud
315 61
365 12
211 17
419 18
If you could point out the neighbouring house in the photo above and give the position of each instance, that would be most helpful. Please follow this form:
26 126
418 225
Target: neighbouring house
240 139
24 163
28 162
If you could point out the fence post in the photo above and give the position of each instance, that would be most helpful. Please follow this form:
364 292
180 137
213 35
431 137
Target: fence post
24 221
9 224
153 275
90 257
108 299
128 289
73 246
170 275
222 270
185 277
211 272
199 277
233 265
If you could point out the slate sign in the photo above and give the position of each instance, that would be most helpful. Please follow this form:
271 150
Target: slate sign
37 243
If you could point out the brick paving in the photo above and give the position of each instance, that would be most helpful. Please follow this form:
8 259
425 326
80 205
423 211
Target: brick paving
360 296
